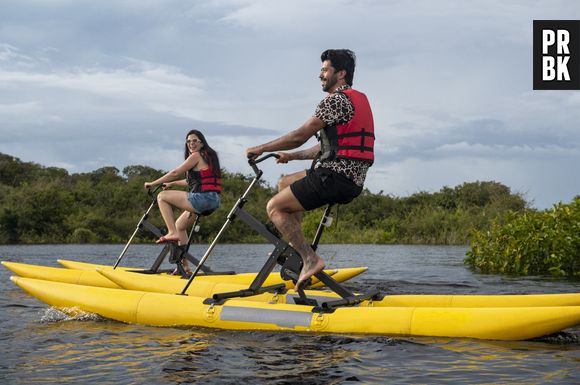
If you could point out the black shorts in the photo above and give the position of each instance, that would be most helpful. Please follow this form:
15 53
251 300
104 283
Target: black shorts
322 186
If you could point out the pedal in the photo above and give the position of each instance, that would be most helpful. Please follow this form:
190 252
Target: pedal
221 298
302 299
331 306
291 267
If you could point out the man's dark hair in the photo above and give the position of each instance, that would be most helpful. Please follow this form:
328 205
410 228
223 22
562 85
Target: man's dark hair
341 59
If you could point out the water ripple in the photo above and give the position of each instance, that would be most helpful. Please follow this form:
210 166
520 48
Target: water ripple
41 345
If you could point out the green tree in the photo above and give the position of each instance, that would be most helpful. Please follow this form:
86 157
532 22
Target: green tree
46 204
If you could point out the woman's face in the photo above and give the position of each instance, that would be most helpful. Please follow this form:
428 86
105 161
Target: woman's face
193 143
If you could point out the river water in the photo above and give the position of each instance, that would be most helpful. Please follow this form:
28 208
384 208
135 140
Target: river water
39 345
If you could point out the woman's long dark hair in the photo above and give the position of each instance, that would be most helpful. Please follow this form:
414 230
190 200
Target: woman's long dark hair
207 153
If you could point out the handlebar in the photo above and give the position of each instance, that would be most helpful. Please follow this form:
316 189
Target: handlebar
152 192
254 162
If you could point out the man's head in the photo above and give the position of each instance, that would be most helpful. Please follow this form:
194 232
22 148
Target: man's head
341 60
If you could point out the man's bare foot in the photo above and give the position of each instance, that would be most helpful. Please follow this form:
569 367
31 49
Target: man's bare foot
309 270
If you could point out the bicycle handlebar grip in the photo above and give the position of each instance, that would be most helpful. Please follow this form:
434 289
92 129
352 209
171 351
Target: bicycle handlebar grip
253 162
151 193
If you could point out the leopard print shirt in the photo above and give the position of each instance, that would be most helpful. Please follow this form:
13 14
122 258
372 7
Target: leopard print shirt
336 109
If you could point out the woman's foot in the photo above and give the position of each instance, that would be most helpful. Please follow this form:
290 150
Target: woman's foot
186 269
167 238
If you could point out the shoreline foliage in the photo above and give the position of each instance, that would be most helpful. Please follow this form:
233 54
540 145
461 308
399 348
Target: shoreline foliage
531 243
43 205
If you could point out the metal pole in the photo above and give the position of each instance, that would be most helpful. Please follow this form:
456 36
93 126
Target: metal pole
138 227
230 217
132 236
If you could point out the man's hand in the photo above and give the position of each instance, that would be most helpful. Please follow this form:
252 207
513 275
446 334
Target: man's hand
283 157
254 152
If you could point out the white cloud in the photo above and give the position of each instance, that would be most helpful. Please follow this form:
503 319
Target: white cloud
159 87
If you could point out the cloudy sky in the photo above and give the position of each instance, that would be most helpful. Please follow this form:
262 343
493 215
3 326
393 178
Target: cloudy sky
86 84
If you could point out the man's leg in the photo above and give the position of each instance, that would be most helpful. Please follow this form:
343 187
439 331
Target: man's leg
287 180
283 209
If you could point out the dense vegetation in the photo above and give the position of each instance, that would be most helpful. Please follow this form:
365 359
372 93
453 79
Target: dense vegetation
48 205
531 243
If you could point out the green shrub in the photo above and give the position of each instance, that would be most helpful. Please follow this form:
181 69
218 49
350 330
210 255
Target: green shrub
531 243
82 235
45 205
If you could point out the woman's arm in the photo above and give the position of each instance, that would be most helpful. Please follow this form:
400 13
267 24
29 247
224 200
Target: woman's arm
179 183
177 172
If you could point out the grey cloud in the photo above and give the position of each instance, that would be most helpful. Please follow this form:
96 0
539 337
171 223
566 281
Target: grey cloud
479 138
121 82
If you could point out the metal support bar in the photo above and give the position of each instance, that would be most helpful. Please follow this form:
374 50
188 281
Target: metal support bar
268 266
219 298
152 228
333 285
143 219
230 218
283 254
257 226
323 223
159 260
330 306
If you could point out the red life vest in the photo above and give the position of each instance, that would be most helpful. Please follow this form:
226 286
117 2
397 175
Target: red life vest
354 139
204 180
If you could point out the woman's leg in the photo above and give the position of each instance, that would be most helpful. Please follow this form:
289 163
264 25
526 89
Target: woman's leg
183 223
167 200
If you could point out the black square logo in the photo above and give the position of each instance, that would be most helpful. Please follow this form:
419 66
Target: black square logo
556 55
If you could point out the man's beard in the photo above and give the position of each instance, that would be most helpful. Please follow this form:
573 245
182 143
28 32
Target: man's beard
330 82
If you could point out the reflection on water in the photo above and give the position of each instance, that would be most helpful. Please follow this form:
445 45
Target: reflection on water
275 358
41 345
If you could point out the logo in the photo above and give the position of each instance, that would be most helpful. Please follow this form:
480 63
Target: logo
556 55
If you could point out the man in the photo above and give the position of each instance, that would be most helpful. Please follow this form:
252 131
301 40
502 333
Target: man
344 122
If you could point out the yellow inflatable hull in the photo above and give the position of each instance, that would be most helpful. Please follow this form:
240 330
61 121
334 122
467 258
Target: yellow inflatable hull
81 273
206 286
159 284
158 309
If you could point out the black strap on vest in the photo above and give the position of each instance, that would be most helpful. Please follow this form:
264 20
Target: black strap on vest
216 181
363 134
195 180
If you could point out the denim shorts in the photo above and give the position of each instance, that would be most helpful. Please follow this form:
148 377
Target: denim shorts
204 203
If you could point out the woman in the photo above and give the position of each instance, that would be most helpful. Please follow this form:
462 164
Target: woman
203 179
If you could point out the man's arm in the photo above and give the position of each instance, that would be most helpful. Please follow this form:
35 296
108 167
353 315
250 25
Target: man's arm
309 153
291 140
